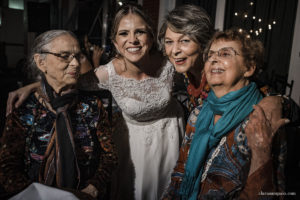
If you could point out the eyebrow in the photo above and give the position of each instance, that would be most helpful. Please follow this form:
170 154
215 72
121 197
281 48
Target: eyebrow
142 28
179 37
223 48
68 52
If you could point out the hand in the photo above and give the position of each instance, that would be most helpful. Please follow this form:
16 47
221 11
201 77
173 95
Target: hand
97 53
91 190
85 64
261 128
272 107
17 97
259 132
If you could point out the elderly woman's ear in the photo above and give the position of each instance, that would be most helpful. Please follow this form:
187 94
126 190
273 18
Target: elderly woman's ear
250 71
40 62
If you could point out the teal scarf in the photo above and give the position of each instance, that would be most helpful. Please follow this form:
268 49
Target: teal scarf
234 108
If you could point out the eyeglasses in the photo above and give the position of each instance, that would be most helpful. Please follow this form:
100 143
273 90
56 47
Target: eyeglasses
225 53
66 56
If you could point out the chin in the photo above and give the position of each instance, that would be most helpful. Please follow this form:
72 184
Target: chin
72 82
181 69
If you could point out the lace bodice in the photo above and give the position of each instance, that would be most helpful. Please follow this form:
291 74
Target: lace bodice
140 100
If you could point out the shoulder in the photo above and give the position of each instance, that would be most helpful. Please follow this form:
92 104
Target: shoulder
29 103
27 111
273 101
166 70
103 73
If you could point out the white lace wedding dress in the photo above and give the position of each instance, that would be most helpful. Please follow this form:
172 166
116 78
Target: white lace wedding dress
149 135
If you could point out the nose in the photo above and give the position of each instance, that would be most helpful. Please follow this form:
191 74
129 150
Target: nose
214 57
75 61
133 38
176 49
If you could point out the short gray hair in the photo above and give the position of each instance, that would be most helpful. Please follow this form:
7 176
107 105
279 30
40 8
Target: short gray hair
189 20
40 44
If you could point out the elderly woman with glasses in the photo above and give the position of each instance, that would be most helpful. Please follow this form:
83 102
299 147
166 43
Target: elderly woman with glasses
218 160
58 137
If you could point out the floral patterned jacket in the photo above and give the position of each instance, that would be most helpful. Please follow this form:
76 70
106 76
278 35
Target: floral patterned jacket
27 133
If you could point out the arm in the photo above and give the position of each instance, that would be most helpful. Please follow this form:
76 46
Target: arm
94 80
85 65
97 54
108 159
88 82
12 175
17 97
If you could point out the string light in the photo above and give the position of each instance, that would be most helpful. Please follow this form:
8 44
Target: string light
256 29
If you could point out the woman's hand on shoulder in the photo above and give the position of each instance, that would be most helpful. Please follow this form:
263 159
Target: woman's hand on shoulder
17 97
263 123
272 108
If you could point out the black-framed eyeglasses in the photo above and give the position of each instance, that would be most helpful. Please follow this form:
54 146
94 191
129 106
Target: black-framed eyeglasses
223 53
65 56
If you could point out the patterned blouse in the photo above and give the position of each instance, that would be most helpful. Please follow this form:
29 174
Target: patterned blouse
196 95
28 130
227 166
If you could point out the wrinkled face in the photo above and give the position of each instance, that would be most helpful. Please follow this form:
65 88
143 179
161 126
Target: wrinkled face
183 53
225 69
63 70
132 40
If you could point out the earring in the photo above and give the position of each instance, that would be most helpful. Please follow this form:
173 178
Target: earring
45 72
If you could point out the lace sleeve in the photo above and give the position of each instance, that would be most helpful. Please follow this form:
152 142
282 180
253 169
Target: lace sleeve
102 74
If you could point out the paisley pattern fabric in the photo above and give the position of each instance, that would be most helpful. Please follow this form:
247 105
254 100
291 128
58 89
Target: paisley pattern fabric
227 165
27 134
